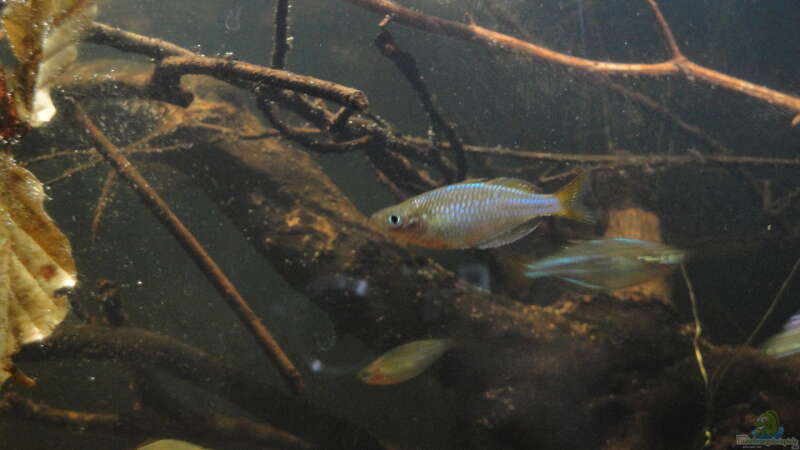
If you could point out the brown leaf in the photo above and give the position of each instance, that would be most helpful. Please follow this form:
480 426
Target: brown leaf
42 35
36 264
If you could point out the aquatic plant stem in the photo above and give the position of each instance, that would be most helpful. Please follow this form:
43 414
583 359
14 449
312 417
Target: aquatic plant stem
198 253
699 356
675 66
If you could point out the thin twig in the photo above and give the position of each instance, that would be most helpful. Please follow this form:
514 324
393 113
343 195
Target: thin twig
55 155
102 201
70 172
340 119
264 105
280 44
198 253
474 33
666 31
407 66
169 71
624 159
774 303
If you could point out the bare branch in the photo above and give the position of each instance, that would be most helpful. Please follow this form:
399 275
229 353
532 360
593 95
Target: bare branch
474 33
198 253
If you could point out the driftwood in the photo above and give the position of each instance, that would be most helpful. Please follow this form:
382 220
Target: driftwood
599 361
144 348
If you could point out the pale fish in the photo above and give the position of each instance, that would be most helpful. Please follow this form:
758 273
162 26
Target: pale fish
607 264
480 213
785 343
405 362
170 444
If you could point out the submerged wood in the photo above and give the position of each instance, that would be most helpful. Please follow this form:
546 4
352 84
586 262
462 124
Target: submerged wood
149 349
597 364
636 223
198 253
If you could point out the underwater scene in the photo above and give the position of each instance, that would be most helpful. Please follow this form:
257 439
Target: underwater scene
399 224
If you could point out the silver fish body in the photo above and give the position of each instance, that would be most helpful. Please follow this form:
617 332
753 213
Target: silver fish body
785 343
480 213
608 264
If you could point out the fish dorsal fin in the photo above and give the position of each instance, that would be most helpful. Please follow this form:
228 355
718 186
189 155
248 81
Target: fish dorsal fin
509 236
515 183
470 181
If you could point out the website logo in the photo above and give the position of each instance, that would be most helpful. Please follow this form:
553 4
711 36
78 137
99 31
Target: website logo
767 432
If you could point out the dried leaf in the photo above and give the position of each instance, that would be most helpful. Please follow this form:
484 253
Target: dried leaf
42 35
36 264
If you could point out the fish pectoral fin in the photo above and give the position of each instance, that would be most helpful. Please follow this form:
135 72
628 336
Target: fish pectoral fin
515 183
509 236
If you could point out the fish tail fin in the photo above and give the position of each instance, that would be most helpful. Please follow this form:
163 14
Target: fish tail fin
571 198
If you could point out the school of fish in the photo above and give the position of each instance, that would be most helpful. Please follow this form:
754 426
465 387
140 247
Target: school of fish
485 214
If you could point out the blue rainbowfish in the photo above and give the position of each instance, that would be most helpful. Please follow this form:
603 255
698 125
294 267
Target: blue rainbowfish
787 342
405 362
480 213
608 264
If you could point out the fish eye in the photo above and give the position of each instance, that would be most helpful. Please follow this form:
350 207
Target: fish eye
394 220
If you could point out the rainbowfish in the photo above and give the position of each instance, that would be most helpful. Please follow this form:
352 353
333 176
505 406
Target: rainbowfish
480 213
785 343
405 362
607 264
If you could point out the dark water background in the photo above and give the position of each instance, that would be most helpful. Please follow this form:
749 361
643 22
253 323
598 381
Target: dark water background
495 98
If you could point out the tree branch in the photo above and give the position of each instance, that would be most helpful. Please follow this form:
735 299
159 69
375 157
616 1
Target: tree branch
198 253
144 348
149 423
676 66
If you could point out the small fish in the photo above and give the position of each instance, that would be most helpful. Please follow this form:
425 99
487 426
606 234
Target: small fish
170 444
405 362
785 343
480 213
608 264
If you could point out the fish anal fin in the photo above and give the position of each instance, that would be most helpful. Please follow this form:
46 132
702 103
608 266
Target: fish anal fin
584 284
509 236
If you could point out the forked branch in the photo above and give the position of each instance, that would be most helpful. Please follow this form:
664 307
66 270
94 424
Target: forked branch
677 65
